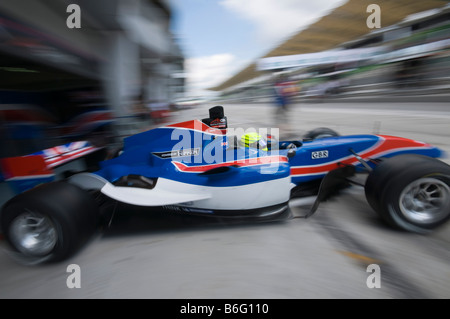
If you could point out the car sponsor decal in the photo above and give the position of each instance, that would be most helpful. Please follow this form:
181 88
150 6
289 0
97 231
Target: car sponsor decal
219 123
319 154
187 209
178 153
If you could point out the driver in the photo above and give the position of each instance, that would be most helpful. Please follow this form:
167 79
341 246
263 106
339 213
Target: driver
254 140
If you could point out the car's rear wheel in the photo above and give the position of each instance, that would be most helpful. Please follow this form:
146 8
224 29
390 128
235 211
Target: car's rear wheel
33 233
411 192
48 223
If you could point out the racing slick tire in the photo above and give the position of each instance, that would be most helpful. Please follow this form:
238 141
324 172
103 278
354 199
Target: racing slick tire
410 192
318 133
48 223
376 180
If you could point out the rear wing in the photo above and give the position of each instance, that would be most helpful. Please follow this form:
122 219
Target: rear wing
25 172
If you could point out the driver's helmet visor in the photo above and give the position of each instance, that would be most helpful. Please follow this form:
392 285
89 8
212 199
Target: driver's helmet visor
254 141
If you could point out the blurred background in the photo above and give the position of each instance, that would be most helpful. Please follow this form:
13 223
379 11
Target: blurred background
134 65
112 77
125 71
339 56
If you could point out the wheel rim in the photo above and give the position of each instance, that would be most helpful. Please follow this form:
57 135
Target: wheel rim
425 201
33 234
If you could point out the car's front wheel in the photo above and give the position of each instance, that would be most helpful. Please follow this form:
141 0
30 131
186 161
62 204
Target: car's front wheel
415 197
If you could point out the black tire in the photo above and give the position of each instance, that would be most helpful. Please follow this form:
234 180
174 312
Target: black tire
64 217
378 178
410 192
318 133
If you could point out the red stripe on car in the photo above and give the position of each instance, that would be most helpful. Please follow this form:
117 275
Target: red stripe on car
241 163
385 145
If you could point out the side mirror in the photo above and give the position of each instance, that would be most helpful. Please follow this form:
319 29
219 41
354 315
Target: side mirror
291 152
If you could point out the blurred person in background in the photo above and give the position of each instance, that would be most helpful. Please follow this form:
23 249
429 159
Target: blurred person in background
284 91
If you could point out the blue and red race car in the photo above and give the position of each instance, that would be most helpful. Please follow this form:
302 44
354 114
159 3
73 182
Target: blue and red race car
199 167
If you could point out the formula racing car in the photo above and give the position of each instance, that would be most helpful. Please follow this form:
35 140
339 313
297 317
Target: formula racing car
200 167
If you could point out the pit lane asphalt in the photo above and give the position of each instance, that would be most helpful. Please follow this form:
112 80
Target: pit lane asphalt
324 256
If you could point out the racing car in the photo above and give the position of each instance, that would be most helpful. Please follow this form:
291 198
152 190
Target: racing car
198 167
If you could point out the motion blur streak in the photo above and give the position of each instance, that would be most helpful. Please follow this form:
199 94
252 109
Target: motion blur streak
123 72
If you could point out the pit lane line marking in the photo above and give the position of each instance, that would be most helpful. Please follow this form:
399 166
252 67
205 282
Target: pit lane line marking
393 279
361 258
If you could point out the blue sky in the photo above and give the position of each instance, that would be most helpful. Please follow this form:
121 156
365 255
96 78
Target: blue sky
221 37
205 28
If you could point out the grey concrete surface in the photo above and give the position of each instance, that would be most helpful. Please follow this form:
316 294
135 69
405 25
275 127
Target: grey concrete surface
325 256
